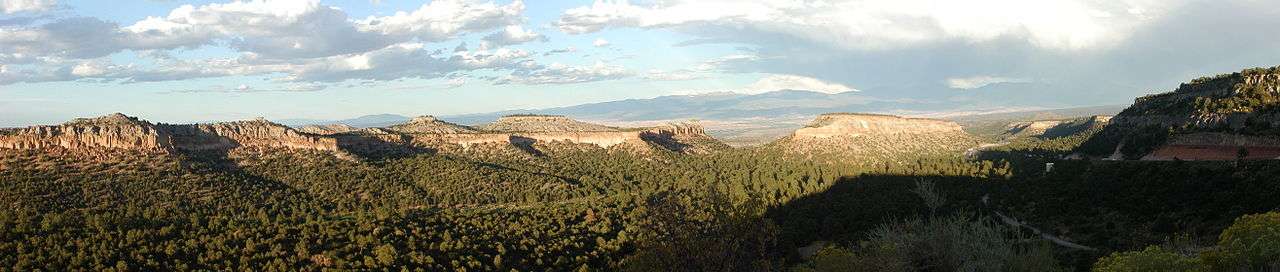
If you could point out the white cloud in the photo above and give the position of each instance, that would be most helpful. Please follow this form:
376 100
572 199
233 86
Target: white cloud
513 34
443 19
557 73
600 42
673 75
884 24
974 82
792 82
301 40
15 6
245 88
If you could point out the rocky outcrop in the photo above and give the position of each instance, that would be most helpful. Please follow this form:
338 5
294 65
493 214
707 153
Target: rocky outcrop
123 132
423 134
111 131
1029 128
1230 106
1048 129
254 133
634 138
853 124
850 135
542 123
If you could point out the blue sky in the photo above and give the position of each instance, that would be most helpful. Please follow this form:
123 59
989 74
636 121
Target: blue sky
180 61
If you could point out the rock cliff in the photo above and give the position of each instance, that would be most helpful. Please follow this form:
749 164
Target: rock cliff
253 133
123 132
1047 129
423 134
111 131
852 124
1236 105
846 135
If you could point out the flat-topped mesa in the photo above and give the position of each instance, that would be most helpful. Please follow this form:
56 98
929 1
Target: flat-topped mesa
854 124
110 131
542 123
1030 128
679 128
429 124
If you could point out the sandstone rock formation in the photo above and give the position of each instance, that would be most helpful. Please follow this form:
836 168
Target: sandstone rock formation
123 132
848 135
423 134
254 133
111 131
1174 123
1030 128
1054 128
853 124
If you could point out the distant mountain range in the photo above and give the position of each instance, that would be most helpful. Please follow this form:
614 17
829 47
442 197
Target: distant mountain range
739 119
367 121
717 106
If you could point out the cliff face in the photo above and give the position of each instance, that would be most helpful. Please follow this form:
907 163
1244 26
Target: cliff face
423 134
255 133
848 136
1232 106
632 138
1047 129
123 132
845 124
111 131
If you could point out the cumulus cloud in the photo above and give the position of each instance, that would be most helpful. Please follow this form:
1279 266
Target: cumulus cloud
884 24
514 34
793 82
302 41
15 6
443 19
600 42
557 73
974 82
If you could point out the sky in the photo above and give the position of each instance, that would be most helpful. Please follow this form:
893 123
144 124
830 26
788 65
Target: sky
180 61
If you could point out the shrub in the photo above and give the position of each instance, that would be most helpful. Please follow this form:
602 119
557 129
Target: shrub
1153 259
1251 243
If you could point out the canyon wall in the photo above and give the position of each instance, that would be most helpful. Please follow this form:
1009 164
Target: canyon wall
122 132
111 131
421 134
256 133
847 124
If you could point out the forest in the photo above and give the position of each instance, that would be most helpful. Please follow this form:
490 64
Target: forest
583 208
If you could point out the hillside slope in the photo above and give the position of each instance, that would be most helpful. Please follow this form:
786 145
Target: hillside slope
1212 118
